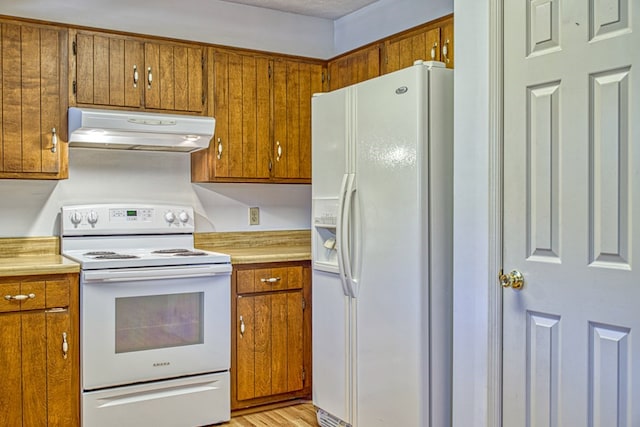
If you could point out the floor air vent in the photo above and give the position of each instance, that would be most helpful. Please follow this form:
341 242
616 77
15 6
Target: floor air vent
325 419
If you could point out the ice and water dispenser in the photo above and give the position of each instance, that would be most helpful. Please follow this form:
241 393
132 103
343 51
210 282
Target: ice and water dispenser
325 219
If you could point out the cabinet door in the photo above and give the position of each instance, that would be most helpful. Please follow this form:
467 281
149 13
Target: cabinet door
108 70
269 344
60 351
446 43
354 67
433 41
36 382
239 150
293 85
173 77
403 51
34 368
33 102
11 362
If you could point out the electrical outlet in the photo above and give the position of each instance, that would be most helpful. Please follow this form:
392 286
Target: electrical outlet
254 216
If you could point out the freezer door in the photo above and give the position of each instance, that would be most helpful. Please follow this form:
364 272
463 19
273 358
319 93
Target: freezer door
328 142
331 346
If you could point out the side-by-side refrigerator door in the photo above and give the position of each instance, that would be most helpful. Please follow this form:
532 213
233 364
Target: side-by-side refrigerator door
388 249
332 308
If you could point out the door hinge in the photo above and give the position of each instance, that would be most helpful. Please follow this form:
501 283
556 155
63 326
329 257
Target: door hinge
269 70
75 89
270 165
304 375
304 304
203 98
202 60
74 47
323 76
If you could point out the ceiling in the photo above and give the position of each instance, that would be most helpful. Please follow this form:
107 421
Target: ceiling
329 9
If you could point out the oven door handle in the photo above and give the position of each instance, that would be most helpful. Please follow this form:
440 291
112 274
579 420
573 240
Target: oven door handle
158 273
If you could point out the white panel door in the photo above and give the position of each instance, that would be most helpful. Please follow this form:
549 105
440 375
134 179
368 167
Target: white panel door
571 193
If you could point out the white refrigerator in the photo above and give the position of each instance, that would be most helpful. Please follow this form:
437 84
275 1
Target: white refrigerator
382 250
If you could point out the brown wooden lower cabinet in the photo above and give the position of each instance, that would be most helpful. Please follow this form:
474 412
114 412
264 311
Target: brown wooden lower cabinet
271 333
39 354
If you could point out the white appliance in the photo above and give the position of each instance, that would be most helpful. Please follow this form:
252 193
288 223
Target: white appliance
382 250
128 130
154 317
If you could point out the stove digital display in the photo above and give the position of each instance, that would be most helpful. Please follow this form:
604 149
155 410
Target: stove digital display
132 213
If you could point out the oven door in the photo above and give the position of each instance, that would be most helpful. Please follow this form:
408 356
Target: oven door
143 324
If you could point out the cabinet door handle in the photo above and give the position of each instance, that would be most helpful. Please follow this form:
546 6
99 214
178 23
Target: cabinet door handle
433 51
65 345
278 151
54 140
270 280
241 327
19 297
135 76
149 77
445 51
219 155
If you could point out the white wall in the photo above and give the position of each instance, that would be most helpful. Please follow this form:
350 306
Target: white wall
231 24
31 208
209 21
471 214
383 18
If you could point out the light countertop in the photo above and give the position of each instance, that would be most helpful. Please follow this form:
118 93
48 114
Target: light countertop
40 255
268 254
36 265
258 247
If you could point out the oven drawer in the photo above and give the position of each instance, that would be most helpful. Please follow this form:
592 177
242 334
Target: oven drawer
192 401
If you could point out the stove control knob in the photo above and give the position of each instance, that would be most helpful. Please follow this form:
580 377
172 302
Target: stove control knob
184 217
92 217
170 217
75 218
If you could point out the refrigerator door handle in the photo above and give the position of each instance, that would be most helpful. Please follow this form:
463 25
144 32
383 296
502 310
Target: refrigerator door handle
346 236
339 233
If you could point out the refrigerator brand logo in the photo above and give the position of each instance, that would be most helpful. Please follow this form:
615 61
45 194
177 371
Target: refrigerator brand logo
156 364
401 90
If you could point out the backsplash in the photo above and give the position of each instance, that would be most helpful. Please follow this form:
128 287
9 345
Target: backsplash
32 208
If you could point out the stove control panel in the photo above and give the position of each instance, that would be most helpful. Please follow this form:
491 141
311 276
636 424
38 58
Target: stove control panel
126 219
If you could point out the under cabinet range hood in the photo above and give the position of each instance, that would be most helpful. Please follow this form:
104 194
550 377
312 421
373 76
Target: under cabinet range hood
125 130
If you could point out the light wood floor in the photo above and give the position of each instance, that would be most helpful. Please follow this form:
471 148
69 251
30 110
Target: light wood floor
301 415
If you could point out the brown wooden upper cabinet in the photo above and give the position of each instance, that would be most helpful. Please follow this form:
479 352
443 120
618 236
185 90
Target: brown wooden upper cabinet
239 149
262 107
120 71
432 41
294 83
354 67
33 104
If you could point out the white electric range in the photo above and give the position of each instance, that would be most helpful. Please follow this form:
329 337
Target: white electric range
154 316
